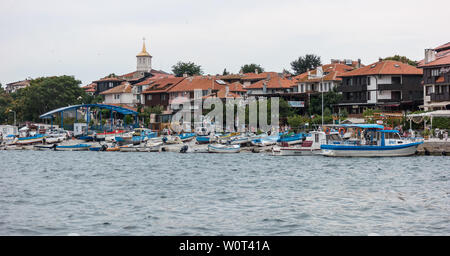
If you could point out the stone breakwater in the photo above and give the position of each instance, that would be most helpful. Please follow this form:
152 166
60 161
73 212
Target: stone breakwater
434 147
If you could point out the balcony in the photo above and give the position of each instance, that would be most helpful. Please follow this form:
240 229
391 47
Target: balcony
440 97
352 88
356 101
390 87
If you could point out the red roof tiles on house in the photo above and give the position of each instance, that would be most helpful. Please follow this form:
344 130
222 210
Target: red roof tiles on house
386 67
163 85
124 87
197 82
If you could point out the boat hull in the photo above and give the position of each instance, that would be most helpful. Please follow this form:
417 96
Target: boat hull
82 147
296 152
225 149
369 151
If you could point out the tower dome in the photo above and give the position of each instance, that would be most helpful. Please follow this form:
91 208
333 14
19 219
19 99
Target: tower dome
144 60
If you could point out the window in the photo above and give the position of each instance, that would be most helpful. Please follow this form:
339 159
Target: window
435 72
302 88
163 97
110 84
321 87
368 95
149 97
368 80
396 80
428 90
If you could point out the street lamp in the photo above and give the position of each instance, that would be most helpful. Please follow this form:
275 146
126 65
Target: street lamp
14 116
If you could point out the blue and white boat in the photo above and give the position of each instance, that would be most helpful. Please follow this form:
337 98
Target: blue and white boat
266 140
371 140
77 147
187 136
38 138
203 139
291 139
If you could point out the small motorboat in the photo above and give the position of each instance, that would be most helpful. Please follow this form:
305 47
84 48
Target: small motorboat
38 138
309 146
220 148
292 138
187 136
76 147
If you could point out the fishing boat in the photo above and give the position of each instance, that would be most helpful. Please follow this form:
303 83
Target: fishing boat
109 135
38 138
187 136
220 148
266 141
310 145
76 147
53 140
154 146
44 147
203 139
172 139
127 148
292 138
98 148
371 140
113 148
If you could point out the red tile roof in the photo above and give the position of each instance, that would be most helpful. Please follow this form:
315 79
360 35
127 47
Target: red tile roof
332 72
443 47
123 106
152 79
163 84
385 67
237 87
109 78
124 87
273 82
197 82
442 58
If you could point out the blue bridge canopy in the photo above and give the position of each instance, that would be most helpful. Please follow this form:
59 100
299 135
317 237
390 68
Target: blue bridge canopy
118 109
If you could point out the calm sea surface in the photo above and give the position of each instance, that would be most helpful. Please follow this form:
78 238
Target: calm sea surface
116 193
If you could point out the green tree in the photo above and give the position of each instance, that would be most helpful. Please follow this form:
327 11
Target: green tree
250 68
225 72
45 94
329 100
5 106
305 63
188 68
402 59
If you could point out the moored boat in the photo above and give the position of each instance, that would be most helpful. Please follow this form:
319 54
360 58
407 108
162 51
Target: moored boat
309 146
374 141
76 147
38 138
220 148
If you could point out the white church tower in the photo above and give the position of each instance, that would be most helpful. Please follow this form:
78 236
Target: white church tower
144 60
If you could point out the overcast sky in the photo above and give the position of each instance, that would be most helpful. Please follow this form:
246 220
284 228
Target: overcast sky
90 40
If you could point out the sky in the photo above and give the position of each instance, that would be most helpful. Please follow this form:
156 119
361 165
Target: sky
91 39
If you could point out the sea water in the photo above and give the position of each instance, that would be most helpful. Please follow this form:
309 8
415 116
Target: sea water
118 193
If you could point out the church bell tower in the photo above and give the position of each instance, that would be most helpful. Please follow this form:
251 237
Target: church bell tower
144 60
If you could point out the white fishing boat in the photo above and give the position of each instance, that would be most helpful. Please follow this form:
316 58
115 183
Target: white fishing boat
372 141
220 148
310 145
53 140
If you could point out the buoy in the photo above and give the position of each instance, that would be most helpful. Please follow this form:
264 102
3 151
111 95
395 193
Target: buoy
327 130
342 131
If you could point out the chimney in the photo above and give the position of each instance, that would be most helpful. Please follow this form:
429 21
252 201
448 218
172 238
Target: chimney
227 90
359 63
430 55
380 59
256 71
264 86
